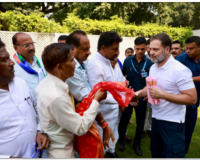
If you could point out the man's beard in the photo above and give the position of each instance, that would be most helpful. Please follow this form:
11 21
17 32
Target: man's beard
160 58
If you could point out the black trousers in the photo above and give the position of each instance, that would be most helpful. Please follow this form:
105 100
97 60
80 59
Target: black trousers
140 112
190 122
167 139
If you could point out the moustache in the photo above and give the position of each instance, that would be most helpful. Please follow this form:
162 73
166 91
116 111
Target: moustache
32 50
12 68
174 53
152 56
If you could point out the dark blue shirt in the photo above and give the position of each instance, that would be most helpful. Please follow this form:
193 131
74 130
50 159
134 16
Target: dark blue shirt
135 80
195 68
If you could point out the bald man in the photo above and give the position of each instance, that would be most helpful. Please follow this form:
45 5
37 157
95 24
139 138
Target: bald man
27 65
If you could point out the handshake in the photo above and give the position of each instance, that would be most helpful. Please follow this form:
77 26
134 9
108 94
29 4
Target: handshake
150 92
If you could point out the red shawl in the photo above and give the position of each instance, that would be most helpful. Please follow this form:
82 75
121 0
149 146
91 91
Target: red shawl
90 144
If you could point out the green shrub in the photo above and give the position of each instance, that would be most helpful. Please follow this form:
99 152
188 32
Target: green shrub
96 27
16 21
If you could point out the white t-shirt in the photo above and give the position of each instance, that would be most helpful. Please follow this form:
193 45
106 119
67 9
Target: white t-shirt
172 78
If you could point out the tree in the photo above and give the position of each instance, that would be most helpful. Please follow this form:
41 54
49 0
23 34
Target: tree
185 14
130 12
23 7
52 10
175 14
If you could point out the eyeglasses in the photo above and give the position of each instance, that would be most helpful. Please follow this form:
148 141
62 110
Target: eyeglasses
27 45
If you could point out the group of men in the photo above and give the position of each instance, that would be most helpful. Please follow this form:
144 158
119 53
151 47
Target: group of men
21 78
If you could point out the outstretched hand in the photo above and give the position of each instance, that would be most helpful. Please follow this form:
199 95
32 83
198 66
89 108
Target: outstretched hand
135 97
127 83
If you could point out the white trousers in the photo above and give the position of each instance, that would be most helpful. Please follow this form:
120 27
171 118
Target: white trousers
110 113
148 119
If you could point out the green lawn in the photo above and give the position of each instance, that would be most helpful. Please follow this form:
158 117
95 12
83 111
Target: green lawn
194 150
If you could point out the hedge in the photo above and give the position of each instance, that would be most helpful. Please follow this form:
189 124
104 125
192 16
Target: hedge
96 27
16 21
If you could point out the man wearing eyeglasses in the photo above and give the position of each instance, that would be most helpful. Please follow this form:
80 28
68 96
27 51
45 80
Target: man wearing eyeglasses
27 65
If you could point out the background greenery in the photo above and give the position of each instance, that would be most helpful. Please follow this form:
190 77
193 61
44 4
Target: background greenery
129 19
194 149
35 22
175 14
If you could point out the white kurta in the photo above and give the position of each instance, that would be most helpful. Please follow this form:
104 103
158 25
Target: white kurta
18 120
118 75
58 118
119 78
99 69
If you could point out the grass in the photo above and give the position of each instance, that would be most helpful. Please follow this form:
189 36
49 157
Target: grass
194 149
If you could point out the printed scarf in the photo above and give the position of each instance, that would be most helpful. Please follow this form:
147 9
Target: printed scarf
22 63
90 145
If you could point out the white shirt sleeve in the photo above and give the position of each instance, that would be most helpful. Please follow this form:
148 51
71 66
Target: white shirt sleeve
96 75
77 87
66 117
184 80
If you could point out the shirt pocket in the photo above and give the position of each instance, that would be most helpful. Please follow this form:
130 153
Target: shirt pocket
28 110
179 149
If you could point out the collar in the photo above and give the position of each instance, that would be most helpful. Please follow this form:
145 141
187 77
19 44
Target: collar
191 59
102 57
34 61
78 65
144 59
168 63
10 86
59 83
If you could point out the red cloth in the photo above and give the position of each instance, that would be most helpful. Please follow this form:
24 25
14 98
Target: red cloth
90 145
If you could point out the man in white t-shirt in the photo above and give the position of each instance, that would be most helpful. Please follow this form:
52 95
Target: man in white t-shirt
175 89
